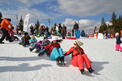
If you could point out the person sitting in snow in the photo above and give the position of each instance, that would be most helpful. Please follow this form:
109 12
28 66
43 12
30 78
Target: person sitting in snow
13 37
79 58
55 51
33 42
37 46
40 45
118 42
25 40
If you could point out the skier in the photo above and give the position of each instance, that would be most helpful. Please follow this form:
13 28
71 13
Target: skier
5 29
118 42
32 41
77 33
25 40
76 30
32 29
55 51
79 58
83 33
40 45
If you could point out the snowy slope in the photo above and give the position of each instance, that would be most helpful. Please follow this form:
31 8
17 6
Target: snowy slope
19 64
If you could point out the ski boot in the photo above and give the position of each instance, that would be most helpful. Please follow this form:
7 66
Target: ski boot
90 70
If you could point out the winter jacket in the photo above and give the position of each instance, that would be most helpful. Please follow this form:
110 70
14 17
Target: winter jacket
78 60
74 51
33 41
25 40
5 23
51 46
45 43
118 40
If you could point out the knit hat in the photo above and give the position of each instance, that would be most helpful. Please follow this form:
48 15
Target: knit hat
79 43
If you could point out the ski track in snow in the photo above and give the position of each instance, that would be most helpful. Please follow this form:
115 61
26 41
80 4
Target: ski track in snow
19 64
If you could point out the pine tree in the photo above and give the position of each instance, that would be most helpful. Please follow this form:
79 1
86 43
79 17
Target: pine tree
20 25
114 17
103 27
116 22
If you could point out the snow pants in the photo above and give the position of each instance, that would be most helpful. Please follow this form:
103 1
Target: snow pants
118 47
56 53
77 33
81 60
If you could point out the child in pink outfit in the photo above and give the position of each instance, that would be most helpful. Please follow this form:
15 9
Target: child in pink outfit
118 42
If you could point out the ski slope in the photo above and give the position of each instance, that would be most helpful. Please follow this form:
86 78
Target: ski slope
19 64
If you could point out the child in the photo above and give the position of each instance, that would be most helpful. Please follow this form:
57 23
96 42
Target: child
118 42
55 51
40 45
32 41
79 58
13 37
37 46
25 40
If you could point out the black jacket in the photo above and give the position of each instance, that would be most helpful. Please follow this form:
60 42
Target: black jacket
118 40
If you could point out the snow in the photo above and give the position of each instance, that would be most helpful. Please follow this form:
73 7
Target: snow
19 64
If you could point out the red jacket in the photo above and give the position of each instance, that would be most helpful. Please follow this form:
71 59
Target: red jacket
5 23
74 51
78 59
51 46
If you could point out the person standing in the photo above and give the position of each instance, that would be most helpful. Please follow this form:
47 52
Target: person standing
118 42
5 29
76 30
32 30
63 32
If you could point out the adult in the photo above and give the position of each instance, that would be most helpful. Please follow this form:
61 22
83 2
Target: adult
5 29
63 32
46 32
76 30
32 29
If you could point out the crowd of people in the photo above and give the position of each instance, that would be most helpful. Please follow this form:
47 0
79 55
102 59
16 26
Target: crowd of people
53 48
54 51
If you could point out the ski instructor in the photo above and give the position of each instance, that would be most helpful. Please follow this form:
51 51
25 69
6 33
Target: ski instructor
4 26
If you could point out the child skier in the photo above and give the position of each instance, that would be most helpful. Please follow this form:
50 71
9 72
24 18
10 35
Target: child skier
25 40
118 42
55 51
40 45
33 42
79 58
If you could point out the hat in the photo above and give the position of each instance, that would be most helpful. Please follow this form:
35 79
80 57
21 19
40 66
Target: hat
79 43
26 33
117 34
54 38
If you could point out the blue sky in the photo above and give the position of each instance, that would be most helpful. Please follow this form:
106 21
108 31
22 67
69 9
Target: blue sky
87 12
